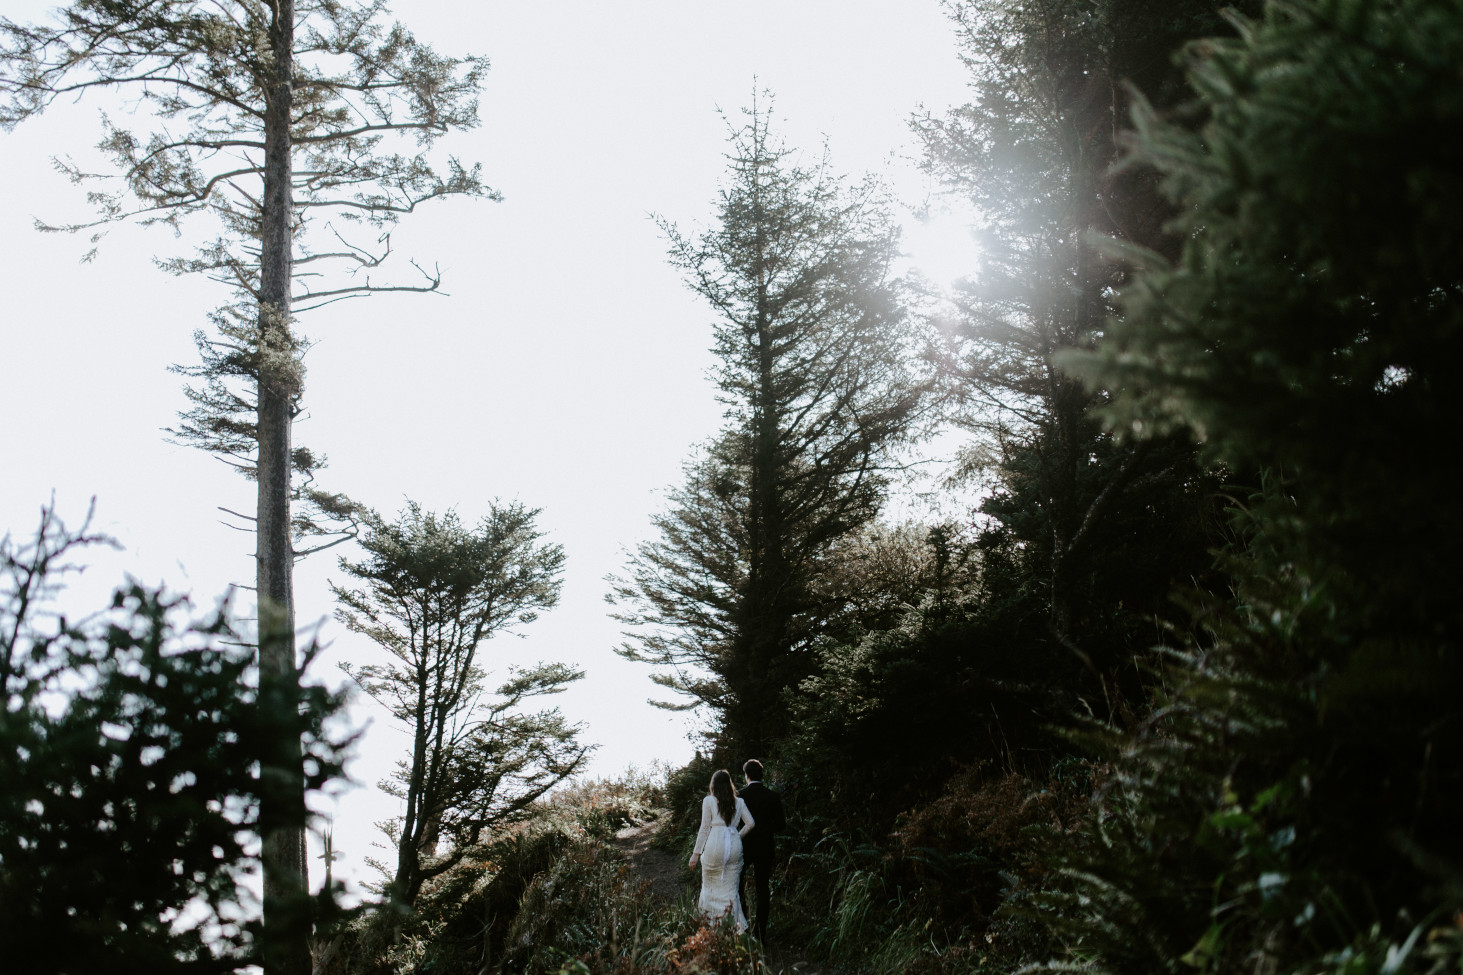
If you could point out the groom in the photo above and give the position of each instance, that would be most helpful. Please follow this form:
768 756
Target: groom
757 853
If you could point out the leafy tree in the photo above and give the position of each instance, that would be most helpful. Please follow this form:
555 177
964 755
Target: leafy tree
432 592
127 747
270 122
811 342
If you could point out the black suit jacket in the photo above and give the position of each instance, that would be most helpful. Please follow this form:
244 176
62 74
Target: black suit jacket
766 809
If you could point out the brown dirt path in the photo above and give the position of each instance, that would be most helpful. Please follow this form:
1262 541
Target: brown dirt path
671 880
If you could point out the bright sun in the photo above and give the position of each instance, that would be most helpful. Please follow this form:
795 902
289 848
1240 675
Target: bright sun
942 248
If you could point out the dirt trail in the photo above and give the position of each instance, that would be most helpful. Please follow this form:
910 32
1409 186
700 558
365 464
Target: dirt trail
671 880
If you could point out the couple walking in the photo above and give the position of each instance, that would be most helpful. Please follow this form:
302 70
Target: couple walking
736 834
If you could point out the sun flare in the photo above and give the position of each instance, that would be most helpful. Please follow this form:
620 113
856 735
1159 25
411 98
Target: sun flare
942 248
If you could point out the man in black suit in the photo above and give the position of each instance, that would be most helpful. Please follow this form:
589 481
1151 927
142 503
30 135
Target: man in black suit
757 846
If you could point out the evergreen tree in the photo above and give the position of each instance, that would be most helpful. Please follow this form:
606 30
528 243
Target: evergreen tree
269 117
1307 327
432 592
1298 779
811 343
1097 529
131 794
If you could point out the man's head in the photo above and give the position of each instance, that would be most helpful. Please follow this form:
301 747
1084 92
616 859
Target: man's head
752 769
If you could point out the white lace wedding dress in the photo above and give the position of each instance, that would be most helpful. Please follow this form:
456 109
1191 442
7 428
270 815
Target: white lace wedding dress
719 844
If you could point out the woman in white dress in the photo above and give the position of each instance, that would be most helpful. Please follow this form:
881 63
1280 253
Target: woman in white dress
724 821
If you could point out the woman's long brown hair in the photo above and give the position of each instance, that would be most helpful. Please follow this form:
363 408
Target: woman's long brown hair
725 793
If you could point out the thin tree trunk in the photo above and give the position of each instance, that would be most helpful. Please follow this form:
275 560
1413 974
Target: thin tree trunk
282 810
407 881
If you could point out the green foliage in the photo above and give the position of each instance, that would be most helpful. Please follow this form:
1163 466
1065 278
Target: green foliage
460 920
433 591
1309 325
814 371
1150 520
857 716
589 909
964 675
544 895
264 118
1286 801
1282 826
1032 152
129 748
1297 780
985 839
875 575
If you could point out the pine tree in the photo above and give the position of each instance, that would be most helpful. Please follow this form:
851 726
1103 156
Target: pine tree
811 343
269 117
127 751
431 592
1091 523
1308 325
1300 768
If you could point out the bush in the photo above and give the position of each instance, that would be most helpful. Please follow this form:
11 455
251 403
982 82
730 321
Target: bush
129 746
544 894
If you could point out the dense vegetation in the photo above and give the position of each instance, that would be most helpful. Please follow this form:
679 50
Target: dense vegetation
1183 692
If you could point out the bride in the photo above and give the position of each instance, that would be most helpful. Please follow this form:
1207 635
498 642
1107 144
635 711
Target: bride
724 821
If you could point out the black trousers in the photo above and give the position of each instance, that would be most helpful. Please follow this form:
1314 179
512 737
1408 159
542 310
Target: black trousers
761 868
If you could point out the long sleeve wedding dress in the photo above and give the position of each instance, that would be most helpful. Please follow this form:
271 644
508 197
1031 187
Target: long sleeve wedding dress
719 844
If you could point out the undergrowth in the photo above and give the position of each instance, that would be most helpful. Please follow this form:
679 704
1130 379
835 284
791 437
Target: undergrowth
551 895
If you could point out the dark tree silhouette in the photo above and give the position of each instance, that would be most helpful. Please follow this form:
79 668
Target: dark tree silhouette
127 751
270 120
432 591
811 342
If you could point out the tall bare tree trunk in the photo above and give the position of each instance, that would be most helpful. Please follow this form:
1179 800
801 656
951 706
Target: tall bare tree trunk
282 813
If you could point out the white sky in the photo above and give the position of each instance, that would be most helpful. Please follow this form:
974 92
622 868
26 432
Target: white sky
567 367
